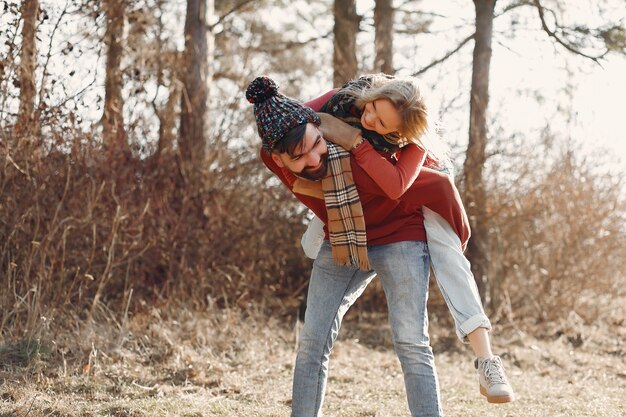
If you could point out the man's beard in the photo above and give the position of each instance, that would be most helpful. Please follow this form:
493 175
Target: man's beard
318 173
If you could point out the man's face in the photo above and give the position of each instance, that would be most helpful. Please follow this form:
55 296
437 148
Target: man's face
310 159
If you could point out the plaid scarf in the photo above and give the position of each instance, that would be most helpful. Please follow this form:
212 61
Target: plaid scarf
346 225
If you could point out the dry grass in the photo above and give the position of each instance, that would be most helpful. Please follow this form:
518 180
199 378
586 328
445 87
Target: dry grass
233 364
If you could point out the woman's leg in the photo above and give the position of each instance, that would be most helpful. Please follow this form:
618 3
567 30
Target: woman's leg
454 277
456 281
480 343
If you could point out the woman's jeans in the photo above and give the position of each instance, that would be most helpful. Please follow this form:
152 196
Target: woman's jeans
403 269
453 274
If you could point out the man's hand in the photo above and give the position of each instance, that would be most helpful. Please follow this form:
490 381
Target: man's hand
338 132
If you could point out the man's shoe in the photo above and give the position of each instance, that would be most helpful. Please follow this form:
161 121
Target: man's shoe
493 382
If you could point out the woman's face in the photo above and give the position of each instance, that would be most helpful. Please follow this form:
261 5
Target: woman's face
381 116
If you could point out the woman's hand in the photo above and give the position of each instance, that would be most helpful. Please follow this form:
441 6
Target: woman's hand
338 132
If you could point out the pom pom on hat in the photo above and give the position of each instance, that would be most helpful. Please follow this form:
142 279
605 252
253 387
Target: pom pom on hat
261 89
275 113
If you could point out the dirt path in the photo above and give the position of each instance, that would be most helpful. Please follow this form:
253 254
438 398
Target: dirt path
234 368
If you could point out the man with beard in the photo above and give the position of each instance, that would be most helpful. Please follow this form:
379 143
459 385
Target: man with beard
369 234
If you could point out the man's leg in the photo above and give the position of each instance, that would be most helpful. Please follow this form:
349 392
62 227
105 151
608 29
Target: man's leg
332 290
403 269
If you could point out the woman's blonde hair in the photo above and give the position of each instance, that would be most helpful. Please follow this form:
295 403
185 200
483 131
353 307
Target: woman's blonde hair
415 124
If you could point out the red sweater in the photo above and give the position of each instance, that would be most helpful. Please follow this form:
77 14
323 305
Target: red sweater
391 192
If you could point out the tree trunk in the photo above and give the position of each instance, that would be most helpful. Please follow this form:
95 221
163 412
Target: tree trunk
474 188
113 115
383 43
167 120
195 86
26 122
345 31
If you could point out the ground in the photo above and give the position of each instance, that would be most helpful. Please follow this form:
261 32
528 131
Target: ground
233 364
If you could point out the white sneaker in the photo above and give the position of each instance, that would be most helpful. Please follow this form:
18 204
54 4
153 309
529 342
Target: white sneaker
492 379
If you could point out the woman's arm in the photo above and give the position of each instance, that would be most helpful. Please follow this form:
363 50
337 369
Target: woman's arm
393 179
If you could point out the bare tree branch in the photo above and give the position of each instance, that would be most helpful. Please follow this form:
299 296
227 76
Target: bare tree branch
9 67
464 41
232 10
42 87
513 6
293 44
77 94
553 34
446 56
400 9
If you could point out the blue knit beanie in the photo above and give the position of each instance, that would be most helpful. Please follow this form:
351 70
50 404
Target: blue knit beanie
275 113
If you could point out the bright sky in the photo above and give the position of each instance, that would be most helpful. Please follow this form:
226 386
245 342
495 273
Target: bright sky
599 101
595 107
529 61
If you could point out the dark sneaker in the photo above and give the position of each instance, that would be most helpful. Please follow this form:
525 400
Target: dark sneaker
493 382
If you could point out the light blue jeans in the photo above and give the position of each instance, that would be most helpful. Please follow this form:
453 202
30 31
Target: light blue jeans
403 269
453 272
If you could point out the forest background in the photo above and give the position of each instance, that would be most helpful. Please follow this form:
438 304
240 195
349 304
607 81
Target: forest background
132 196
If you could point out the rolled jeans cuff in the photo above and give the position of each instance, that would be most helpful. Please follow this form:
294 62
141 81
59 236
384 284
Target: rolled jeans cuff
471 324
